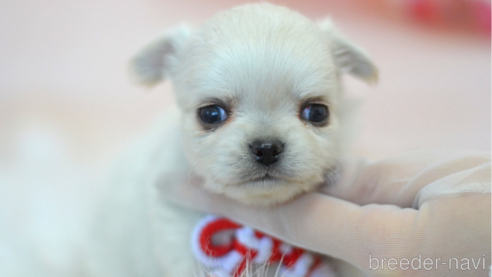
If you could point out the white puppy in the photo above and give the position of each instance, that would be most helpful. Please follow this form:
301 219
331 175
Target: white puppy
259 94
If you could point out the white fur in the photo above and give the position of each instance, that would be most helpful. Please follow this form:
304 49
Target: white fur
265 61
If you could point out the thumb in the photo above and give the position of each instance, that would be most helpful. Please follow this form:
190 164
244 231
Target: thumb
399 179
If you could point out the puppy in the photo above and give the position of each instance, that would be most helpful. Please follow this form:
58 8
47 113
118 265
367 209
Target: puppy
259 120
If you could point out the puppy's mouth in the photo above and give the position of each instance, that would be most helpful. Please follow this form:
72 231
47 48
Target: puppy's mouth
270 176
266 177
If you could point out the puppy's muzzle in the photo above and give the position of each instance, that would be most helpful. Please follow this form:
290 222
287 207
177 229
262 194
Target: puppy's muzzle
267 152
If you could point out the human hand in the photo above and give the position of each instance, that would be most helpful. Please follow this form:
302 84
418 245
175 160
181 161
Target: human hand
380 216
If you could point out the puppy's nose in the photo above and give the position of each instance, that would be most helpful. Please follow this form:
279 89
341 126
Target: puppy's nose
266 152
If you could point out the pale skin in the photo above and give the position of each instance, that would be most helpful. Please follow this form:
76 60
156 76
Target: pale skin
433 204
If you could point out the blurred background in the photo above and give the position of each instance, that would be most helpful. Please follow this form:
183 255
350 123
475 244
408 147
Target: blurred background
67 107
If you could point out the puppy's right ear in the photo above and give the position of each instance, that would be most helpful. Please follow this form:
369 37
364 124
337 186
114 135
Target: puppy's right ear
348 57
156 61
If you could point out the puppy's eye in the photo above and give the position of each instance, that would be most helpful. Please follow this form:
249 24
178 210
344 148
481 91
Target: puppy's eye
212 114
315 113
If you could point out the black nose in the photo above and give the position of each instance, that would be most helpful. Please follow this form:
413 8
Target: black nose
266 152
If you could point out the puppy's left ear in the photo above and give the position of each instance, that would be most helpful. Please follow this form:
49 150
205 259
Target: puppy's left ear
156 61
348 57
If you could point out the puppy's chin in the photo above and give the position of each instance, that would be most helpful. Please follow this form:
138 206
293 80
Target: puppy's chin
266 193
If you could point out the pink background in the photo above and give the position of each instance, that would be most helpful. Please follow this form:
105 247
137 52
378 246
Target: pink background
67 107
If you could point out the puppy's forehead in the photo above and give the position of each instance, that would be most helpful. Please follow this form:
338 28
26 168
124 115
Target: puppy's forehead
259 54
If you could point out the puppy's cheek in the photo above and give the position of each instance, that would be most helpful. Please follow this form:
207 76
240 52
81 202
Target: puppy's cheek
317 157
220 156
231 155
310 154
196 145
214 186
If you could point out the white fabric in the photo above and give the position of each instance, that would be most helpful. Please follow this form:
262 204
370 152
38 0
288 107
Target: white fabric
196 247
220 273
264 251
301 267
246 236
433 204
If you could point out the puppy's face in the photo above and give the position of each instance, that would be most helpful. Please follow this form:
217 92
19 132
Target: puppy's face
259 89
265 129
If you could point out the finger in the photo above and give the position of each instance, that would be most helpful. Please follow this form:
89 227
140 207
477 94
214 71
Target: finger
320 223
476 179
398 180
